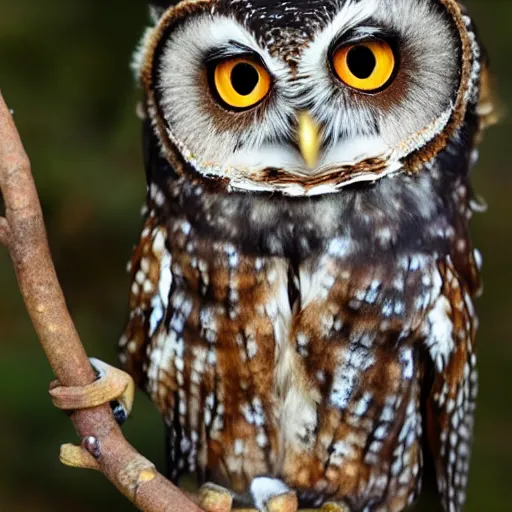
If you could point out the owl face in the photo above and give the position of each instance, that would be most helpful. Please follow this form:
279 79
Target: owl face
306 97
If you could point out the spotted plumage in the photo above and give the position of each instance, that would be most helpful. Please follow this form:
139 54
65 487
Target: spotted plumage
311 328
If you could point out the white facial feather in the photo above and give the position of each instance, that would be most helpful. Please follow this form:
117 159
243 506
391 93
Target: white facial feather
318 86
355 149
184 98
429 46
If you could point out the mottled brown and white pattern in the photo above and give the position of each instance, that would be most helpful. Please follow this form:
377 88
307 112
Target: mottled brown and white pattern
311 329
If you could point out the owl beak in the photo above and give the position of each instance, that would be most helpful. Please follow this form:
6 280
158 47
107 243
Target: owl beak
309 139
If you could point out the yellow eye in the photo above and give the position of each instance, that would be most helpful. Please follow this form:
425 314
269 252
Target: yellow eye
241 82
365 66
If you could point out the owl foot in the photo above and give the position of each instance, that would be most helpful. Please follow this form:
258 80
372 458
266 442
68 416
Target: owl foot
82 457
113 386
332 507
284 503
267 494
213 498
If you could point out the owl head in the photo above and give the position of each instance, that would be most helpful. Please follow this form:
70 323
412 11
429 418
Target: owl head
306 97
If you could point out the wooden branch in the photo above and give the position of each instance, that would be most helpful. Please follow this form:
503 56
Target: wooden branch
23 232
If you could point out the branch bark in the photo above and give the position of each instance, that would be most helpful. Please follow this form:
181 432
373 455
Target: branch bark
24 234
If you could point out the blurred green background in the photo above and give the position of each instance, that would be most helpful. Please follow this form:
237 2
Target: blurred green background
64 70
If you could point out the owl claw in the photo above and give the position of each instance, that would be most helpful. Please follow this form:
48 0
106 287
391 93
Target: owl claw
213 498
112 385
284 503
332 507
77 457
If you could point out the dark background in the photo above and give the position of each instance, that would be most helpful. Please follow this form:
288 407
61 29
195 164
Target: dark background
64 70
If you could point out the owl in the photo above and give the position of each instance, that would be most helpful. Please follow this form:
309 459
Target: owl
301 309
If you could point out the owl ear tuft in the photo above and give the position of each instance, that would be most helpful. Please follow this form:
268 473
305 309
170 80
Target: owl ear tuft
158 7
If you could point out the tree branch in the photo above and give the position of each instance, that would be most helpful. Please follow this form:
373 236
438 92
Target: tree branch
24 234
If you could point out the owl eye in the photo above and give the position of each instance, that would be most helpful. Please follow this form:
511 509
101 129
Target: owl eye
365 66
241 83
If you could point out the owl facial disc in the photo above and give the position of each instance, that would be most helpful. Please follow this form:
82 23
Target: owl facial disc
364 90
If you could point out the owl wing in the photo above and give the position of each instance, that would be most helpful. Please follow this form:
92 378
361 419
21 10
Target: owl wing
450 407
149 269
147 332
149 295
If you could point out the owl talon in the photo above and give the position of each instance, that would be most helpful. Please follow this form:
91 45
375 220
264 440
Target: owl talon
112 385
120 413
332 507
213 498
77 457
284 503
